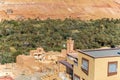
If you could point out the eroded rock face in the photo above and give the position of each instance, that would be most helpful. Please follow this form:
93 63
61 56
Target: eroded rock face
83 9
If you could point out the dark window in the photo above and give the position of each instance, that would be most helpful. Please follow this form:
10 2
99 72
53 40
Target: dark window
85 65
76 62
83 79
76 77
112 68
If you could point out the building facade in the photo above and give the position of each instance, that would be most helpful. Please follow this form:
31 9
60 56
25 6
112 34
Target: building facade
99 64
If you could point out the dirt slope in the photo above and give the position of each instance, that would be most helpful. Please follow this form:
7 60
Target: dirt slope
84 9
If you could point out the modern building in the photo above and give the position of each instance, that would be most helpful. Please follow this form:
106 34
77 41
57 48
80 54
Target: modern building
99 64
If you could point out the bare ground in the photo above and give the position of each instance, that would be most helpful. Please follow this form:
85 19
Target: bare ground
59 9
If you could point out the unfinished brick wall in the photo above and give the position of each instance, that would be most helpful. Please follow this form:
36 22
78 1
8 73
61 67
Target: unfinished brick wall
70 45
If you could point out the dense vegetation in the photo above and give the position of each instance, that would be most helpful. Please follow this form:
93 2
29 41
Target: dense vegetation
19 37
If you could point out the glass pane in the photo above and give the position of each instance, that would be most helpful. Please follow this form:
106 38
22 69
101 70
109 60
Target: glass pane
85 64
112 68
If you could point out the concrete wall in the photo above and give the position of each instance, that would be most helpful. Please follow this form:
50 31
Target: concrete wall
101 68
98 68
78 71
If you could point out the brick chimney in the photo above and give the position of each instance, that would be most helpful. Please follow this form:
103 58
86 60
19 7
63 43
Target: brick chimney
70 45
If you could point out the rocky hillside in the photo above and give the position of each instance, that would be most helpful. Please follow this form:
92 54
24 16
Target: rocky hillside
83 9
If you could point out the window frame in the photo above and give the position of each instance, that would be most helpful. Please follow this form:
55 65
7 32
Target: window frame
85 71
112 73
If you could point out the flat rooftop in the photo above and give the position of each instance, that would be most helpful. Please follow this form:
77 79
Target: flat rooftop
113 52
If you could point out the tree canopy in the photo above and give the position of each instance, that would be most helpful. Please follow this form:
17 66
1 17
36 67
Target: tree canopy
19 37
